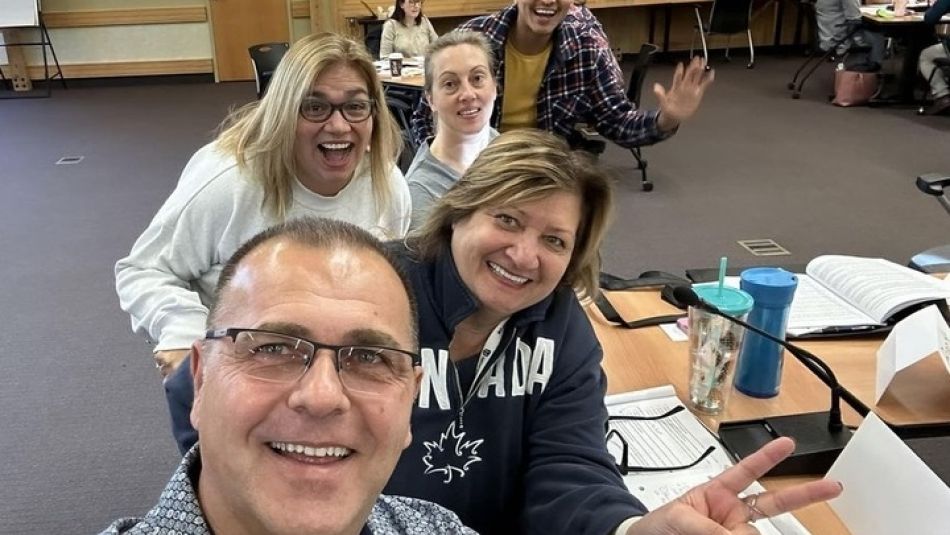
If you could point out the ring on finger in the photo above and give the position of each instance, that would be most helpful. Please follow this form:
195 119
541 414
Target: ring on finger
754 512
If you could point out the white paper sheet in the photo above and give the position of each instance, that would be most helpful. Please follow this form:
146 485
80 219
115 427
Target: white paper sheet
678 439
912 339
900 494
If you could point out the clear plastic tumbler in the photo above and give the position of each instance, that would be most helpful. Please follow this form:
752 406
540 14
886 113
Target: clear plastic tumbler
714 344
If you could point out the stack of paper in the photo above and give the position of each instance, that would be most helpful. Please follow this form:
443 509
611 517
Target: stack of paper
676 440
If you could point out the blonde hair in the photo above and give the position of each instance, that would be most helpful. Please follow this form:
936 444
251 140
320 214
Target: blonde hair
456 38
523 166
261 134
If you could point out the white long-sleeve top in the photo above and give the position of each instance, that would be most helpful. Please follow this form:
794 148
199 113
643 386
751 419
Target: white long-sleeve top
167 281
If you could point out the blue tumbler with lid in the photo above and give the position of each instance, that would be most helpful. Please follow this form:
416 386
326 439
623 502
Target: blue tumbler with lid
759 371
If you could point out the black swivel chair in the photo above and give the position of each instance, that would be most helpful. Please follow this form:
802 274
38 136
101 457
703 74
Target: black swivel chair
937 259
373 39
634 89
727 17
400 106
264 58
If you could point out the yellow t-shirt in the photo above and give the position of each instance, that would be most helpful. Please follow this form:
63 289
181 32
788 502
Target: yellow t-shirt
523 75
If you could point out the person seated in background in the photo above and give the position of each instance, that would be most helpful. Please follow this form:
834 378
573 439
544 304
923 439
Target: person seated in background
938 84
508 431
304 384
407 31
321 142
460 88
835 20
558 71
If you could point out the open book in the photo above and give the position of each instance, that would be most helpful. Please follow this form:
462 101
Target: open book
675 440
842 293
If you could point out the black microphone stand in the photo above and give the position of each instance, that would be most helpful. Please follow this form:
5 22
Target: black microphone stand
819 436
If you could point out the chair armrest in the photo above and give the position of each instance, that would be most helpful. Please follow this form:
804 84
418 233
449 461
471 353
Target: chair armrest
933 183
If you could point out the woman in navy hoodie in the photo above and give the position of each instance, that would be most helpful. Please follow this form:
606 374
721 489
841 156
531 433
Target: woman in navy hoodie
508 431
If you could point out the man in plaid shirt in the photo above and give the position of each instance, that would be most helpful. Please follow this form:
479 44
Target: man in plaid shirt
555 70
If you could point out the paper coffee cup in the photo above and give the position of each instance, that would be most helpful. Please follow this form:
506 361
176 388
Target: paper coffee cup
395 64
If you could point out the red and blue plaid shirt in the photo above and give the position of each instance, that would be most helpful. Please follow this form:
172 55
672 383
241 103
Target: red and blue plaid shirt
582 83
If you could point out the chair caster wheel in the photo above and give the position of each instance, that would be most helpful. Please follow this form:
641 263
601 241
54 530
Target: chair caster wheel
796 95
750 66
647 186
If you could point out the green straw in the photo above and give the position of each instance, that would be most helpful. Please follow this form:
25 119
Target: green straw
722 274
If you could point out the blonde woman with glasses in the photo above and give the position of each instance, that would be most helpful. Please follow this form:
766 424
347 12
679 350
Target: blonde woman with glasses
320 143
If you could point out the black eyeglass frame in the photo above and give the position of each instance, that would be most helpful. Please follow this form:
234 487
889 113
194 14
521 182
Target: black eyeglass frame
233 332
341 108
624 467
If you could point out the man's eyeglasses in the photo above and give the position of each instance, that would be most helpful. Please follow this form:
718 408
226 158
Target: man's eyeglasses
413 2
282 358
317 110
624 464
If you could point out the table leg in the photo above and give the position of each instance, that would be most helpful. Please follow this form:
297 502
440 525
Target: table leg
17 68
779 15
653 24
667 20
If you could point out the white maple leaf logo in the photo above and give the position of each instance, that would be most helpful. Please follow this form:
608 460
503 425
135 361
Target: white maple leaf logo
456 459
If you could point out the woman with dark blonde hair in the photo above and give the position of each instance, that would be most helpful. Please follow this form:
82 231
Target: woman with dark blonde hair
320 143
508 431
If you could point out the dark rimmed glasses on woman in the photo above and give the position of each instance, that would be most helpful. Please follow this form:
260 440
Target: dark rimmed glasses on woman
318 110
282 358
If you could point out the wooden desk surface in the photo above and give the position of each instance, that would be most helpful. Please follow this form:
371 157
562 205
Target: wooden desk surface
643 358
415 82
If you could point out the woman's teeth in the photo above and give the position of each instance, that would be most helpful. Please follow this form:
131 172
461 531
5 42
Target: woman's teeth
335 146
498 270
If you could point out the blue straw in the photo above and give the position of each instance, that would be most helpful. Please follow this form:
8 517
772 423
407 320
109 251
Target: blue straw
722 274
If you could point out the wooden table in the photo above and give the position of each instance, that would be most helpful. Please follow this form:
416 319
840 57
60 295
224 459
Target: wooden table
414 82
917 35
643 358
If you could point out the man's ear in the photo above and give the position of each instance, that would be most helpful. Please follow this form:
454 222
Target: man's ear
428 97
197 374
415 396
418 382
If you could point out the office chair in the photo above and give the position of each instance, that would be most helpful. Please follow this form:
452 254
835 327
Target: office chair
373 39
400 106
816 57
264 59
634 89
937 259
726 17
941 68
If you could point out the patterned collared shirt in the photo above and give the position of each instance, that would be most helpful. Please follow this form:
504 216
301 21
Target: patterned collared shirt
179 513
582 83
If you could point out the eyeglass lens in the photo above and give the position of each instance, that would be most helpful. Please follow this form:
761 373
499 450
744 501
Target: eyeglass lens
319 110
282 358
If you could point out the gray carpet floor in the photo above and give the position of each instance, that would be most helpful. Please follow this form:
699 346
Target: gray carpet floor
83 431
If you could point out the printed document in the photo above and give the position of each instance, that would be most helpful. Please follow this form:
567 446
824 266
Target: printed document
676 440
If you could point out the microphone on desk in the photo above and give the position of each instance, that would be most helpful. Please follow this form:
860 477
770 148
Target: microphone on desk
816 448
